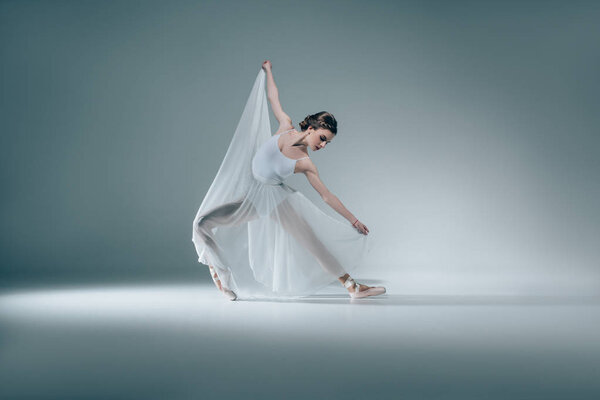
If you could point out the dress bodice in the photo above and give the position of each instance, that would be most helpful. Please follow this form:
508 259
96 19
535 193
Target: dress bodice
270 165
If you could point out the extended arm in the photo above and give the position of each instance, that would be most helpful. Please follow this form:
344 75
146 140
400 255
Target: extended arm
312 174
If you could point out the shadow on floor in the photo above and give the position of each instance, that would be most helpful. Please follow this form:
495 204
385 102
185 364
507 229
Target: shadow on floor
442 300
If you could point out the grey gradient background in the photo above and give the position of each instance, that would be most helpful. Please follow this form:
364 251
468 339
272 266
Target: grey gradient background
468 134
468 144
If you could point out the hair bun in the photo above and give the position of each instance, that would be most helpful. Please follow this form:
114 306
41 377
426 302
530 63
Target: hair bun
323 119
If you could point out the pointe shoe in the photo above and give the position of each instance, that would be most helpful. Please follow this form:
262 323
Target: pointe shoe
230 294
357 294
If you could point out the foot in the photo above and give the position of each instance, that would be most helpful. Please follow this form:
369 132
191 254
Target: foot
229 293
358 290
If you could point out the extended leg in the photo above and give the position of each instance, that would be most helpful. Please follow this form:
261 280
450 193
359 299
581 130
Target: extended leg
294 224
298 227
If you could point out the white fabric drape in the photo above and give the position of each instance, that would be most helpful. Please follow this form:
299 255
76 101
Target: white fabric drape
269 240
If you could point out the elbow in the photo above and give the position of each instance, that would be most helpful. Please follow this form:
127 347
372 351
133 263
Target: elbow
327 197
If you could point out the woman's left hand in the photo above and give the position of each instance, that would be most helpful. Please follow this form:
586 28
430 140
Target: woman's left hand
266 65
362 228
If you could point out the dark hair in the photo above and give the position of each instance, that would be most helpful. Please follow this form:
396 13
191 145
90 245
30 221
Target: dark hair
321 119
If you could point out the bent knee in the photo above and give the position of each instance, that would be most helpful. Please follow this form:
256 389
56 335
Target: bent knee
201 226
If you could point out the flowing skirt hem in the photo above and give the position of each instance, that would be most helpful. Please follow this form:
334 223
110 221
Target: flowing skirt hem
281 245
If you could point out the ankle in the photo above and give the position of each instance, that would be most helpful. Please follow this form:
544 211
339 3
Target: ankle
350 284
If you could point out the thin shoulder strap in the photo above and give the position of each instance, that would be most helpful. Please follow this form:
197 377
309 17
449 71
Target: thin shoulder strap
302 158
281 133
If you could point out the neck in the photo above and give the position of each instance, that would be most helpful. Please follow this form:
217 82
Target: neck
302 142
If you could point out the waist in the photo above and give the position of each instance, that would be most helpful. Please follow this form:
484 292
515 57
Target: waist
263 171
267 181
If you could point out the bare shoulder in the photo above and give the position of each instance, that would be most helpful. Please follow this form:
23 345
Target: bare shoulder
306 166
286 125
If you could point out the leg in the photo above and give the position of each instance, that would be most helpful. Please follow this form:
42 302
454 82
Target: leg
228 214
297 226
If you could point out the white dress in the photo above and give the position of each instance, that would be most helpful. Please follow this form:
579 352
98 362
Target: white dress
265 238
270 166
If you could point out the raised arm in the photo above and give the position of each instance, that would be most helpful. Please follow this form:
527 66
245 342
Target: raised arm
273 95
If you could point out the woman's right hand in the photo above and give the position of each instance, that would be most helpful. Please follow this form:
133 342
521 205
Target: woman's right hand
362 228
266 65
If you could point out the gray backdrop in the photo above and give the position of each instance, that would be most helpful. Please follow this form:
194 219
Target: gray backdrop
468 133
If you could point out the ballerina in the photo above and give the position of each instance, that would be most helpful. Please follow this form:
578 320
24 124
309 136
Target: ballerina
260 237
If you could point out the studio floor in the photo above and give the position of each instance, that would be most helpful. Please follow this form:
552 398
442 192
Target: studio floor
187 341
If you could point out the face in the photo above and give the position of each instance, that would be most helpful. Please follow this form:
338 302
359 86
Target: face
319 138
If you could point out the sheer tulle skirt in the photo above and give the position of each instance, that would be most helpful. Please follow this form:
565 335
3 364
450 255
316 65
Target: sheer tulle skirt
264 238
274 242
